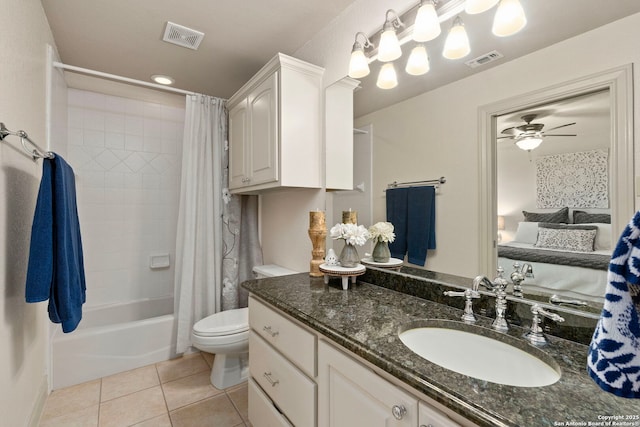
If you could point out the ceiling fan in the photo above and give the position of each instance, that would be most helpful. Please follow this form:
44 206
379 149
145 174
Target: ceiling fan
530 135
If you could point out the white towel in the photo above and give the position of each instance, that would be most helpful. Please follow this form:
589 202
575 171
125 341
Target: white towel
614 354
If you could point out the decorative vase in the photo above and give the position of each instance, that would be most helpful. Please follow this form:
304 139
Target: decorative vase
381 252
349 256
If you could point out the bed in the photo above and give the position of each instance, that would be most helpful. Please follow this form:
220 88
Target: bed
560 266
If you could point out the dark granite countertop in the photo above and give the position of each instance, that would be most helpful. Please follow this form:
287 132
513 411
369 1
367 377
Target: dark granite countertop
366 320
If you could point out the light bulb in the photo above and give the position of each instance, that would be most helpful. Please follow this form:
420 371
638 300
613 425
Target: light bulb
478 6
427 25
358 65
529 142
509 19
387 78
418 62
457 44
389 49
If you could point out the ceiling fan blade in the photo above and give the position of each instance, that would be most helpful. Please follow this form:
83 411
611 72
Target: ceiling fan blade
561 126
504 137
561 134
509 131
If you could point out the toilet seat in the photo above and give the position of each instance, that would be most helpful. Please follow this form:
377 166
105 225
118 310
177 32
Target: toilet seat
224 323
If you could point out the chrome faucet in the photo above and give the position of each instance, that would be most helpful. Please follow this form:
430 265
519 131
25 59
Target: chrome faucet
469 295
557 300
536 336
520 272
498 287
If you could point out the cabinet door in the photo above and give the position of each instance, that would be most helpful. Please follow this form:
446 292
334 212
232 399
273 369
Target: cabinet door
238 144
263 131
351 395
431 417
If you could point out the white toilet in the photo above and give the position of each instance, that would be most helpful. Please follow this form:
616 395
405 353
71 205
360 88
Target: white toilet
226 334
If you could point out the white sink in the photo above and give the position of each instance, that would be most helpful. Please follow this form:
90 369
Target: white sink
446 344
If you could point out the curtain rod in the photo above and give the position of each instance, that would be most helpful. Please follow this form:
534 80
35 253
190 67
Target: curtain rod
80 70
434 182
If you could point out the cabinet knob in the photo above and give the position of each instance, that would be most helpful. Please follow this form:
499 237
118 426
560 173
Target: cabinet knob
398 411
271 332
273 382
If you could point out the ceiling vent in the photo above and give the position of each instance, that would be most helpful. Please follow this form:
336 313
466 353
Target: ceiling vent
484 59
182 36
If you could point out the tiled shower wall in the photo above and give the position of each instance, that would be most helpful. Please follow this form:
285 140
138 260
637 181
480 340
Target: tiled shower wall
127 156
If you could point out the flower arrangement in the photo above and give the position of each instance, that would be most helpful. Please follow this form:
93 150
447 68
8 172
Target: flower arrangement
352 234
382 232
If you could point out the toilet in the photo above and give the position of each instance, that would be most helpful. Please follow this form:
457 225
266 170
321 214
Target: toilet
226 334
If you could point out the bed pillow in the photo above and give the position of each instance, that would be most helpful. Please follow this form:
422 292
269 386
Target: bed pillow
557 217
577 238
527 232
582 217
603 236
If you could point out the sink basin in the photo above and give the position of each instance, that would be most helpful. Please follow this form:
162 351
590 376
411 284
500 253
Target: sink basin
480 353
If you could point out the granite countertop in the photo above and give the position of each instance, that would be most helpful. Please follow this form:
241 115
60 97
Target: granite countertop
366 320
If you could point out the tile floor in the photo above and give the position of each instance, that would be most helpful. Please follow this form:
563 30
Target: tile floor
175 393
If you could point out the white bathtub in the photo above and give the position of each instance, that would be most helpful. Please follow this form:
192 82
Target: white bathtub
112 339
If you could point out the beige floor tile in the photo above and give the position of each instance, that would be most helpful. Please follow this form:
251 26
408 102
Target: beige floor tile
188 390
217 411
161 421
208 357
132 408
239 396
119 385
70 399
181 367
87 417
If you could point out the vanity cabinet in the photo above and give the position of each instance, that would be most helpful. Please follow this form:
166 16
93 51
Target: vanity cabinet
351 395
282 366
275 128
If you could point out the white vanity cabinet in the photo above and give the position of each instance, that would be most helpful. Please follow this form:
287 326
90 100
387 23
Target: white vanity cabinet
275 128
282 364
351 395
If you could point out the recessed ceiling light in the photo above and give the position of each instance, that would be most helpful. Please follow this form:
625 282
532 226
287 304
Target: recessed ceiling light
163 80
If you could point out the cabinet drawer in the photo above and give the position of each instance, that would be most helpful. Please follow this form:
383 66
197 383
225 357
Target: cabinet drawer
262 413
298 345
286 385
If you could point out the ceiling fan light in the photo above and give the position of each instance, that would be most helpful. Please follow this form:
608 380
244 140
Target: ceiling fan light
473 7
456 45
418 62
427 24
529 143
509 18
387 78
358 65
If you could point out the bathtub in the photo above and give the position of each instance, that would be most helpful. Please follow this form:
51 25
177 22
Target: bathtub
112 339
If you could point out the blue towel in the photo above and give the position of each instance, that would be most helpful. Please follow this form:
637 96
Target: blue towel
421 226
397 215
412 213
56 268
614 354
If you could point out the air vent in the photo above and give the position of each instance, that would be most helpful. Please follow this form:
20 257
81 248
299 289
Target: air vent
484 59
182 36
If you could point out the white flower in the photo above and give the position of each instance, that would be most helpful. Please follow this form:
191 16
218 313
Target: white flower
382 231
352 233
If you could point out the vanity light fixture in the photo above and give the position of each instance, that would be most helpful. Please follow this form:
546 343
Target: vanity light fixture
387 78
427 17
509 19
389 49
163 80
427 25
418 62
456 45
473 7
529 142
359 64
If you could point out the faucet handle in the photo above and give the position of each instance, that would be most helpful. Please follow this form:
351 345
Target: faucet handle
500 283
536 336
469 294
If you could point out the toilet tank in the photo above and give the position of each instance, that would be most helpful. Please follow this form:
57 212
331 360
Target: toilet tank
270 270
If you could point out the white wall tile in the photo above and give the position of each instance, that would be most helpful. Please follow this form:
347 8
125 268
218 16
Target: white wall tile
133 143
93 138
114 140
114 122
93 119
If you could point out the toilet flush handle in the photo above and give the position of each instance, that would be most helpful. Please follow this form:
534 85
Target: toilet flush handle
270 331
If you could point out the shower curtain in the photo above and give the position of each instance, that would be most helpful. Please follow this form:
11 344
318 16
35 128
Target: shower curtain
217 238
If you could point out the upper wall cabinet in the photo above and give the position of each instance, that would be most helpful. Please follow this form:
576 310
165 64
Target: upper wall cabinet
339 134
275 129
